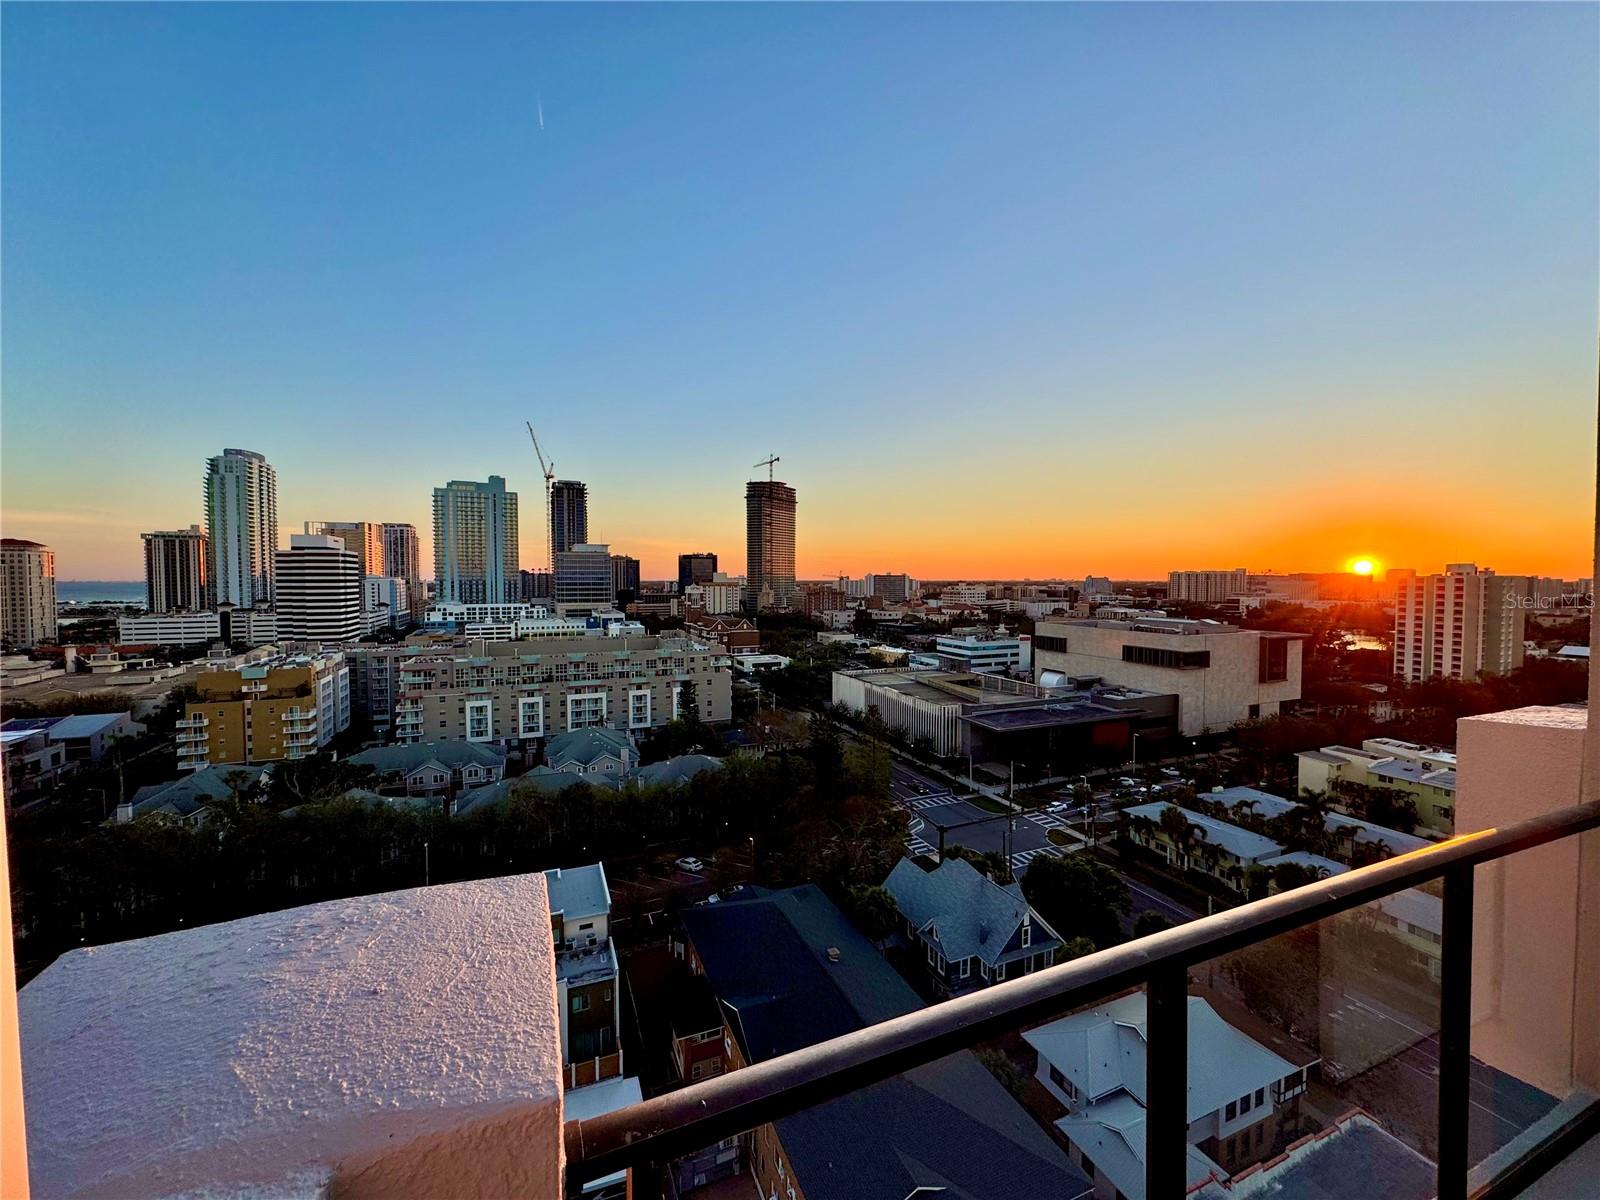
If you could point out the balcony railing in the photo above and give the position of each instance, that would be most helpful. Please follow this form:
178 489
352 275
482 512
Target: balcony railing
645 1137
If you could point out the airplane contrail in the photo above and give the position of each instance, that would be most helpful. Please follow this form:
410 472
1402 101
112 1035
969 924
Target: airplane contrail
539 99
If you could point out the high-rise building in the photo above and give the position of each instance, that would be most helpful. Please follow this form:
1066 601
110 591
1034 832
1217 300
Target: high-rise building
892 589
362 538
1207 587
569 515
475 542
584 580
695 568
402 561
319 590
769 509
1459 625
241 491
175 570
537 585
624 579
27 592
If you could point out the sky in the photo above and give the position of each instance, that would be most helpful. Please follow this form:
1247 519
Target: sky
1013 291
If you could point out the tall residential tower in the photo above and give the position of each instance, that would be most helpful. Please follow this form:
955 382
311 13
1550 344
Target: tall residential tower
401 560
27 592
569 515
175 570
475 542
769 509
242 524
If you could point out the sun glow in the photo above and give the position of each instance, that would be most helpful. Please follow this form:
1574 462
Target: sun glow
1362 566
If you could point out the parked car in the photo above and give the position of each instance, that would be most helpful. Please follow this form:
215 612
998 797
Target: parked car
1171 772
733 889
1128 783
690 863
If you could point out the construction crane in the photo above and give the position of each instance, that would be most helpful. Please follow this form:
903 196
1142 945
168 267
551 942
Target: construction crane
549 469
769 462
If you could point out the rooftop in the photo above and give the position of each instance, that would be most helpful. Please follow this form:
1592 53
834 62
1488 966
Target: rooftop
577 892
1241 843
253 1055
1264 804
964 913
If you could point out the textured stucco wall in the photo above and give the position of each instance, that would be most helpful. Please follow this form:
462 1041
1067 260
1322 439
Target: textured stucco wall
1534 1010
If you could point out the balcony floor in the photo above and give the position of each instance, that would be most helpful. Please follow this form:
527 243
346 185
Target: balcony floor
1578 1176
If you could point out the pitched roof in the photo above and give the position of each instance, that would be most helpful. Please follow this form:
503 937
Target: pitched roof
86 724
404 759
1102 1050
1264 804
1304 858
1242 843
677 770
587 746
946 1125
963 912
1112 1134
194 792
1366 833
484 796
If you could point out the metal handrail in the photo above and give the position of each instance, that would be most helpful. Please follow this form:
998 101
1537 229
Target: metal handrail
662 1128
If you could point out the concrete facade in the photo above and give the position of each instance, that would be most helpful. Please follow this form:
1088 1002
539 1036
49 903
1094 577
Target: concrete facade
511 692
27 592
1221 674
287 707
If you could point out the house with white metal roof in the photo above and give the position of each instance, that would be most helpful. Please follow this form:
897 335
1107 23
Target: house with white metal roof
1243 1099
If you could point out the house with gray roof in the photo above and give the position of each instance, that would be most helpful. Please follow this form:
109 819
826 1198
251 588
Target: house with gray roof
677 770
434 768
1241 800
969 930
1243 1099
594 751
189 800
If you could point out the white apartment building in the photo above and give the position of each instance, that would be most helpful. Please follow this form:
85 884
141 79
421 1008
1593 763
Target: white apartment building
1220 673
1206 587
27 592
319 590
1460 624
241 495
984 655
965 593
892 588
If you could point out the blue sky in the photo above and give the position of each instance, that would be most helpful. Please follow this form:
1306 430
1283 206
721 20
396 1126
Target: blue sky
1012 290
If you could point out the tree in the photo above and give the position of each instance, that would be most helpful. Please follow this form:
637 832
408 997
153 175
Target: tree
1147 923
1078 896
1010 1075
1278 980
1076 948
874 911
988 862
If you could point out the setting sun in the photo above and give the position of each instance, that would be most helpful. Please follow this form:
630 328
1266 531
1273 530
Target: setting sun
1362 566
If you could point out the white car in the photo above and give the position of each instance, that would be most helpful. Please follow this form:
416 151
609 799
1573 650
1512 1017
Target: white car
1171 772
1128 783
690 864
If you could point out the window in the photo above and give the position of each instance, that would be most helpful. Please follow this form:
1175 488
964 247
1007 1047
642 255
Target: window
480 721
1261 1097
585 709
1057 1078
530 716
966 968
1261 1133
1254 712
1244 1104
1046 642
639 708
1088 1165
1152 656
580 1002
1274 662
1231 1111
1027 934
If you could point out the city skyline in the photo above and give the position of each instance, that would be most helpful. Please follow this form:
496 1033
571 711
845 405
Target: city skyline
1274 289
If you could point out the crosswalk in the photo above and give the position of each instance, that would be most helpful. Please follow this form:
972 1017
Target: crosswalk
1021 859
1046 820
918 846
921 803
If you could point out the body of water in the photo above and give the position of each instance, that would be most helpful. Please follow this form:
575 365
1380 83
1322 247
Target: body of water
106 591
